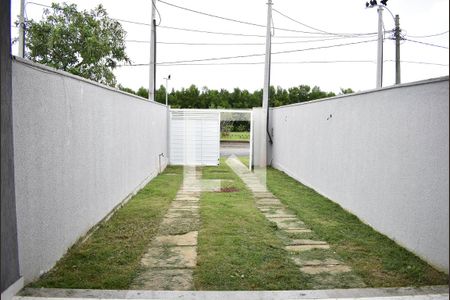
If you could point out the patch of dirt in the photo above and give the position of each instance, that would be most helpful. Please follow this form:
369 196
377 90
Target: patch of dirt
230 189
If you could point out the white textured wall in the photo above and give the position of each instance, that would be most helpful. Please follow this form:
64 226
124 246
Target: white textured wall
383 155
80 149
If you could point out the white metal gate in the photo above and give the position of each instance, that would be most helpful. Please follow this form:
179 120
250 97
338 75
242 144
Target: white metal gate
194 137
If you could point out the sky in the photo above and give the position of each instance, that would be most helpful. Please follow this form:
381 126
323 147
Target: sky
331 67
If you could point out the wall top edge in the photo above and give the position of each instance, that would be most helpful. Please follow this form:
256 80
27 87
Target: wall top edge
43 68
398 86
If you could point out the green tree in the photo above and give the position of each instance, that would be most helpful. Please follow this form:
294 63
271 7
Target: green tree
84 43
346 91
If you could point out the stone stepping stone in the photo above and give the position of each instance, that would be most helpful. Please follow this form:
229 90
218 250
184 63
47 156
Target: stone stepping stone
187 239
330 269
268 201
275 216
301 248
184 204
307 242
299 230
181 209
186 198
170 257
169 279
263 195
288 223
183 214
316 262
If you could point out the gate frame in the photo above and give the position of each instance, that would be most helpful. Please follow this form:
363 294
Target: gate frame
221 110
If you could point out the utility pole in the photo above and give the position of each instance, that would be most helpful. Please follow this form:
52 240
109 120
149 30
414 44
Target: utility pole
22 29
152 71
266 90
380 48
397 50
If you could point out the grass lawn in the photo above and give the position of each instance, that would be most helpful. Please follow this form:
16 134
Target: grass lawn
237 247
379 261
110 257
235 136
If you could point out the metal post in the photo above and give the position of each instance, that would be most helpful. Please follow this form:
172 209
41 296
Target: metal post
266 90
167 99
152 71
167 95
22 29
397 50
380 48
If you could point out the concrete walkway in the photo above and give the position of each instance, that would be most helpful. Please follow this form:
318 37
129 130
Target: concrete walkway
172 255
422 293
325 269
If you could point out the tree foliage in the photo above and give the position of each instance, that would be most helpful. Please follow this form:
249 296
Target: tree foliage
84 43
193 97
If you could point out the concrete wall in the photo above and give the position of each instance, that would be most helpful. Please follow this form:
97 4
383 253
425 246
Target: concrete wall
382 155
9 249
80 149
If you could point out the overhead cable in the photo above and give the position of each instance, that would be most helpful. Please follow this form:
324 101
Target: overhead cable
243 22
320 30
427 44
262 54
429 35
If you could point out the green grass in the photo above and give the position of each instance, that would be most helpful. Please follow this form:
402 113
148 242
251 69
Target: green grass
110 257
235 136
237 247
379 261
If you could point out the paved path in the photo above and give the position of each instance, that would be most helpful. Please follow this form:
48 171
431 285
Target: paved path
236 148
326 269
172 255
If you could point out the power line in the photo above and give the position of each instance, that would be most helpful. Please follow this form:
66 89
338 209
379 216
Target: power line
429 35
236 44
419 62
215 32
320 30
262 54
287 62
244 22
211 32
427 44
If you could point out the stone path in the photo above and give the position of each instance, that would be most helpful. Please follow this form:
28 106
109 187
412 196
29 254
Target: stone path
323 264
172 255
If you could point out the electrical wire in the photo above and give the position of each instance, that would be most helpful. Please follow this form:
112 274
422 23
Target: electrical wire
262 54
157 10
418 62
211 32
320 30
429 35
238 21
237 44
287 63
427 44
222 33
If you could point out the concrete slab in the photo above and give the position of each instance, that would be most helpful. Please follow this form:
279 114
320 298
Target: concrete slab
307 242
300 248
300 230
170 279
404 293
316 262
170 257
187 239
331 269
